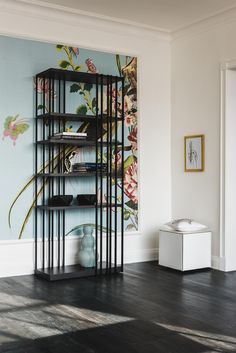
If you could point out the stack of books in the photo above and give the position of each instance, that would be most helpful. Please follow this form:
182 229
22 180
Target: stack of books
88 167
79 167
70 135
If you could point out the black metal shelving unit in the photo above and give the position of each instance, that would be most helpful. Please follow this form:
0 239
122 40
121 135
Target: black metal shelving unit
105 136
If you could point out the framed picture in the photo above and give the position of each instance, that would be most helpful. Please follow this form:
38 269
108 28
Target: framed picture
194 153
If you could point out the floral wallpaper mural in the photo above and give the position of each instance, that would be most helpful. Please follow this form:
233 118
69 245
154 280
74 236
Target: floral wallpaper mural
14 126
17 203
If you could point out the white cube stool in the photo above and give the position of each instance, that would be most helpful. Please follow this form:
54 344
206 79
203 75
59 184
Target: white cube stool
185 251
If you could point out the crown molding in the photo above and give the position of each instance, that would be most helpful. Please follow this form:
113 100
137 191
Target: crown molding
64 14
206 24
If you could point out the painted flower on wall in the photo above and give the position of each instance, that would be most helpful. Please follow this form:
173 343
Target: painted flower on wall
130 119
128 104
131 182
133 139
44 86
14 126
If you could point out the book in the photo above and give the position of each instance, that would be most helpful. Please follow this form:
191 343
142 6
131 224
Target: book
70 135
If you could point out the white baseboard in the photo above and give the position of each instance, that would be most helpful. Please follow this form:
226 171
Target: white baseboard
218 263
17 256
141 255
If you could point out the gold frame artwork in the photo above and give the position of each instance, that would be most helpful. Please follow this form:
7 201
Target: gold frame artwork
194 155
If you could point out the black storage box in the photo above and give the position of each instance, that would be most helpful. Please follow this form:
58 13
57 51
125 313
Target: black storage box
86 199
60 200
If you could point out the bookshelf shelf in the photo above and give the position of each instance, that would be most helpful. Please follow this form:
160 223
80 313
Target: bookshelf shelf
105 135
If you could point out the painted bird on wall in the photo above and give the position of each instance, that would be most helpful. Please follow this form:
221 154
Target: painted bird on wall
14 126
91 67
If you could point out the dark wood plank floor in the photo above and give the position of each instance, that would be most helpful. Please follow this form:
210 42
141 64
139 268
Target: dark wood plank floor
147 310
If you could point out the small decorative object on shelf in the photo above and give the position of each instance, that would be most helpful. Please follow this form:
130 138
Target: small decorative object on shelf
68 162
60 200
87 250
59 135
86 199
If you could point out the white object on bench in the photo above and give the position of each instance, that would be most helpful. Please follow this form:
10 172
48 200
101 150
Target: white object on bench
186 225
185 251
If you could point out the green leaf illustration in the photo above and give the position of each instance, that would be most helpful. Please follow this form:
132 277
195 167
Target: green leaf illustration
64 64
74 88
88 87
94 102
118 62
20 129
8 120
132 205
78 68
59 47
126 214
81 110
79 228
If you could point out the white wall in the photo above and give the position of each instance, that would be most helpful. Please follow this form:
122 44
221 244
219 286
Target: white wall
153 51
196 59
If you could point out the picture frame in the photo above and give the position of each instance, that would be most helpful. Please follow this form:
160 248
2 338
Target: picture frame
194 153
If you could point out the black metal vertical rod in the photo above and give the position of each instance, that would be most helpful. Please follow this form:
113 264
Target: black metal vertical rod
111 172
36 179
49 239
58 239
63 181
45 180
115 177
107 175
96 183
101 176
59 182
49 169
44 185
122 180
52 186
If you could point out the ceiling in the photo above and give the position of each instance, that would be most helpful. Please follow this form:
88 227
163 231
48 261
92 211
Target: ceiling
168 15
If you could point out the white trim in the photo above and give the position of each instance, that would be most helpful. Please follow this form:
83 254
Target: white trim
218 263
141 255
222 159
17 256
215 18
221 261
24 251
206 24
94 15
67 15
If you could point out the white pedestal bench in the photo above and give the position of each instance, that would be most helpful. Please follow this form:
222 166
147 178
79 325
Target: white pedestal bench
185 251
